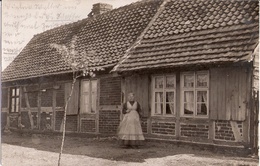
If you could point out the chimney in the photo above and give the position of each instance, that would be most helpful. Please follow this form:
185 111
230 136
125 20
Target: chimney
100 8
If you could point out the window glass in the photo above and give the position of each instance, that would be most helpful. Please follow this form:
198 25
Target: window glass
158 108
169 102
202 80
17 92
164 95
170 81
195 97
188 102
13 92
158 82
202 103
13 105
188 81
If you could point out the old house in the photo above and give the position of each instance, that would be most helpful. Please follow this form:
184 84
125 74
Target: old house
190 63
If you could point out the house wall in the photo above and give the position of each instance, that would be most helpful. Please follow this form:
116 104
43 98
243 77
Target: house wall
227 122
44 102
110 104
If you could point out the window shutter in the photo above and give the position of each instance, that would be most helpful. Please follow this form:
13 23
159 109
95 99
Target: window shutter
73 103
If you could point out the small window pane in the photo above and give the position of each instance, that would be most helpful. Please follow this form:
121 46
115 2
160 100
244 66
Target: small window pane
158 108
17 92
169 108
170 82
13 105
202 109
159 97
13 92
188 81
188 102
202 80
189 96
158 82
201 96
17 105
188 108
169 96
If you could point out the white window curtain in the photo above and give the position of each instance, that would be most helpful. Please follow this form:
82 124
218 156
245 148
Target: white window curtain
202 102
188 102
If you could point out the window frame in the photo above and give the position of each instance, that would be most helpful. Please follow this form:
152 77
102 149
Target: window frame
16 97
89 97
195 90
164 90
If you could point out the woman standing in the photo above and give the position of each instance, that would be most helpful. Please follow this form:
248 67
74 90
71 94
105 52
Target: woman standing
130 131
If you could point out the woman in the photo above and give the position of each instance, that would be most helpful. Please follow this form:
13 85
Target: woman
130 131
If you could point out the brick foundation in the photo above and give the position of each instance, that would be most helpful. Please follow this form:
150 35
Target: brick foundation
109 121
223 130
88 125
165 128
71 123
195 130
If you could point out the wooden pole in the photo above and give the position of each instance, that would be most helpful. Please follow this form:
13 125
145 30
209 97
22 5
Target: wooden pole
28 107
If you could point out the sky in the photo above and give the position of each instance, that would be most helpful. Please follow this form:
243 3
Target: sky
21 19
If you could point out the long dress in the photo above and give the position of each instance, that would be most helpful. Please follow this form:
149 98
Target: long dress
130 131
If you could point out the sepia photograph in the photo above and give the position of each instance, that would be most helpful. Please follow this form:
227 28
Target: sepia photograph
133 82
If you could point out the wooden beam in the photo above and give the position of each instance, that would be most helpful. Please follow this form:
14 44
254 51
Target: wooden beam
8 110
54 95
39 109
28 107
177 105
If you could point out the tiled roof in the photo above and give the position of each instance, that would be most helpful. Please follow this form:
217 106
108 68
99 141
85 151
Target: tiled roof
109 35
188 32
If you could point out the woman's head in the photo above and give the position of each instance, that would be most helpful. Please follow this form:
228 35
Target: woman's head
131 96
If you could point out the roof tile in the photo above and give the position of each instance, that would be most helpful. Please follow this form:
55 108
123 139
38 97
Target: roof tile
217 33
110 34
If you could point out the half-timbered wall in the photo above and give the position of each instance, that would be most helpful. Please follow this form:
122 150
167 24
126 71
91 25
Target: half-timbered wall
229 98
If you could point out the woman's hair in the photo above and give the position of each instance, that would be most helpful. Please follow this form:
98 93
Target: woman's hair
131 93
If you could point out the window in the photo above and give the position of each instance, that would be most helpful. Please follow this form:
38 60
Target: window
88 96
163 90
14 107
194 90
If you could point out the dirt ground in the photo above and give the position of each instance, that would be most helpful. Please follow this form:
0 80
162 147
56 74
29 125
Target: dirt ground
43 150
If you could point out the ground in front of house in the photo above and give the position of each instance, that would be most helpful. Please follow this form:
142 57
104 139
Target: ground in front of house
42 150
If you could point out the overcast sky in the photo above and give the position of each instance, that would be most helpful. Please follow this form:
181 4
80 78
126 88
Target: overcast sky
23 18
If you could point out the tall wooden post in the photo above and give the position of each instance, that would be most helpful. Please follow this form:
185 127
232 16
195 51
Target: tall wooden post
54 95
39 108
